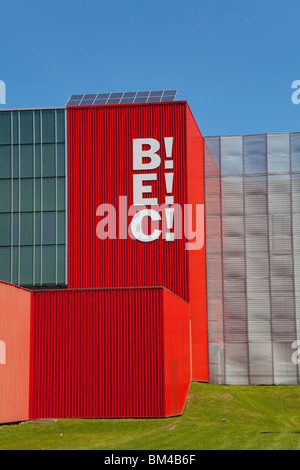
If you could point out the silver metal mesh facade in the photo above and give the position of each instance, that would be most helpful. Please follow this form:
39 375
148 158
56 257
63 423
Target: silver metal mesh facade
252 186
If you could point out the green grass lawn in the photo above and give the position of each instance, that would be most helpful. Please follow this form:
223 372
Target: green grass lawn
255 418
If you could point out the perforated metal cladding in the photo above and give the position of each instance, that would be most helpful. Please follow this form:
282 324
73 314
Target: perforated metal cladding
253 257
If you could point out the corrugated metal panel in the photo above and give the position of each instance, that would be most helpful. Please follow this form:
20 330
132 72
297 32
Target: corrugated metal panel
97 353
100 170
259 301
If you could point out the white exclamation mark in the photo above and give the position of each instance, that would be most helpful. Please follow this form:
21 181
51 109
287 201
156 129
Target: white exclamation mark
169 219
169 178
169 148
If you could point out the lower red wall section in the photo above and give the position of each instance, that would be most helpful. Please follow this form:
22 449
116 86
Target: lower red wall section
106 353
15 312
177 353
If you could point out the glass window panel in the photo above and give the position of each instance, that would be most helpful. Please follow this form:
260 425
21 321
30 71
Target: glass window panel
37 160
16 195
26 265
26 229
38 228
61 228
49 228
61 194
48 160
37 265
5 195
5 127
61 265
295 161
48 126
255 155
38 195
295 143
37 122
5 264
212 149
5 229
48 264
278 153
60 116
15 127
26 198
15 234
15 266
15 161
61 160
48 191
5 161
232 155
26 161
26 127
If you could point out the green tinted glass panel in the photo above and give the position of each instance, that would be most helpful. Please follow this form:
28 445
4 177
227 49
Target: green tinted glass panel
5 127
38 228
26 159
48 190
5 161
61 265
48 160
16 195
48 264
26 127
15 265
5 195
61 194
26 265
48 126
26 198
37 126
15 161
49 228
61 227
15 230
60 119
38 195
15 127
5 263
61 161
5 229
37 160
26 229
37 265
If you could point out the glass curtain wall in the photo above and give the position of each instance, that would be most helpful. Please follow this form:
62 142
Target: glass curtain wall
33 197
252 186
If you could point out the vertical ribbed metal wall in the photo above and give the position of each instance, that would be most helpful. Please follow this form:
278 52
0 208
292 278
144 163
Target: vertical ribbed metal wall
252 187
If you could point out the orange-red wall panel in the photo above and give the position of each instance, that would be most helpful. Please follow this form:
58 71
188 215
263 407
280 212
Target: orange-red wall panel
15 310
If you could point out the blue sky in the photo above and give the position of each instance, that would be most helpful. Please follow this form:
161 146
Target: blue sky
233 61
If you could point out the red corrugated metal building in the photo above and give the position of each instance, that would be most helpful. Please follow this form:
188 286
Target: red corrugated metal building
130 332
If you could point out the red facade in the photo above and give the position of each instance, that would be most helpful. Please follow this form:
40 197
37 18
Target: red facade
130 332
101 169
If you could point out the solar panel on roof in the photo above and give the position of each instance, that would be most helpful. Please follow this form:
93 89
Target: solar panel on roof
152 96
